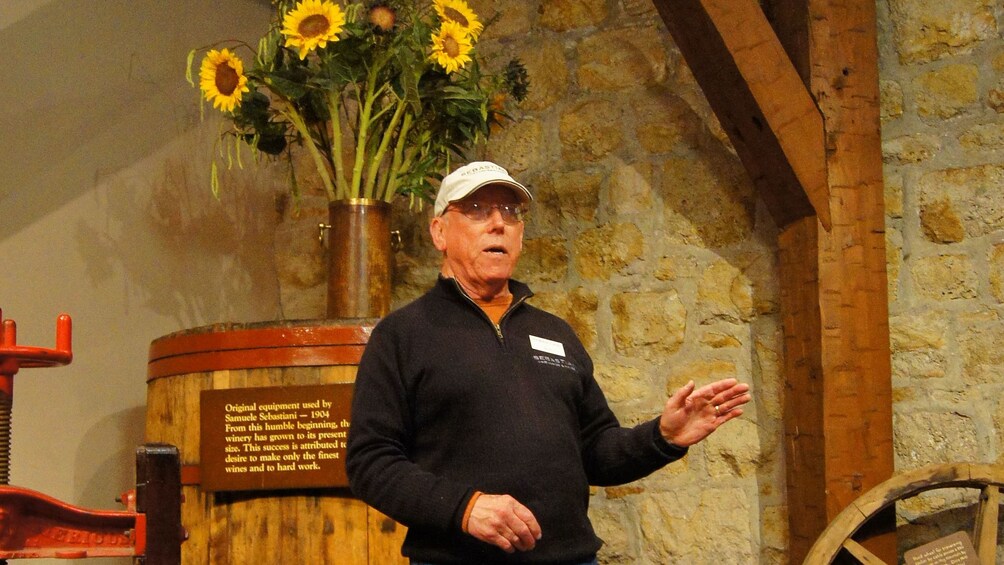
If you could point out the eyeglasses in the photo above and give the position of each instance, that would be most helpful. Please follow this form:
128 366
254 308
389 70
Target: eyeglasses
480 212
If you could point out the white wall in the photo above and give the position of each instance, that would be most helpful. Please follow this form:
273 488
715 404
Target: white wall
105 214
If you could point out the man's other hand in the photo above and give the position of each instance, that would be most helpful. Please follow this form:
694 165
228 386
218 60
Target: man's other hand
501 520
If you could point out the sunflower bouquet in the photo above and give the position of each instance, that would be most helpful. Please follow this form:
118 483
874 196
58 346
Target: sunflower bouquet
381 94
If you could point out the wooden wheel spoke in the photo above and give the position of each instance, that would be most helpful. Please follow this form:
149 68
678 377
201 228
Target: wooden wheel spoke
985 529
862 554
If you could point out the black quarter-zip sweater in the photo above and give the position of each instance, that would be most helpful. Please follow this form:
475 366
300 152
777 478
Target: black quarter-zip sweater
446 403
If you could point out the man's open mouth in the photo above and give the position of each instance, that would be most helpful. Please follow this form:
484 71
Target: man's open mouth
496 249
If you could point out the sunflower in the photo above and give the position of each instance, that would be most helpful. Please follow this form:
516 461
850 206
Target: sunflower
222 79
451 47
382 17
312 24
458 12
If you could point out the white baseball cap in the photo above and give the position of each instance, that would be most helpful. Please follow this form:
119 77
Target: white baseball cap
462 182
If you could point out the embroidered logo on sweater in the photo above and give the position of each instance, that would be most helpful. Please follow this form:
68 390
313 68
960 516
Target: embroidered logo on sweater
560 362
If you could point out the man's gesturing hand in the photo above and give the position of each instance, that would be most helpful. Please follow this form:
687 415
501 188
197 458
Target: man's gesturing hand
501 520
691 415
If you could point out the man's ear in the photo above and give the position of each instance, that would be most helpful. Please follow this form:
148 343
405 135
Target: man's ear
436 230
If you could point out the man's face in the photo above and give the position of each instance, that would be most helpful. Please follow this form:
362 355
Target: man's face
480 254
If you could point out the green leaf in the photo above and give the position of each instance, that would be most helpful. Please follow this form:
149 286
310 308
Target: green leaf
188 67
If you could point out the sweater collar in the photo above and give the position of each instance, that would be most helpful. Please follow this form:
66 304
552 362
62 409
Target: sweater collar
447 286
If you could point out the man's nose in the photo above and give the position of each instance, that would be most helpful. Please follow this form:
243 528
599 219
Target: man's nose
495 221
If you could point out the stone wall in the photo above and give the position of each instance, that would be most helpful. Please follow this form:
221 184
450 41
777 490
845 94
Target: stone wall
647 237
942 87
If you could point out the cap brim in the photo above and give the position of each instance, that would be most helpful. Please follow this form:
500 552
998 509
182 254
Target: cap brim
519 189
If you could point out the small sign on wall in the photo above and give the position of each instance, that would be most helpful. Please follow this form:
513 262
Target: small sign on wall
274 437
955 549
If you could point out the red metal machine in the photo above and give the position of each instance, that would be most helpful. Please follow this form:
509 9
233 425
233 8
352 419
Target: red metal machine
33 525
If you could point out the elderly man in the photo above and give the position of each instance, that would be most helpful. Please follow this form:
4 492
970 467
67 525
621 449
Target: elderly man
476 420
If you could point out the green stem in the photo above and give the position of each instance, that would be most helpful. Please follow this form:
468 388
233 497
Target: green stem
382 149
334 109
361 137
322 169
390 189
406 163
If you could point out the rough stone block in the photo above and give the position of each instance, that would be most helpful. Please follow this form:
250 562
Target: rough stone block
566 201
649 325
925 31
944 277
979 345
724 292
590 130
912 148
548 72
974 193
677 126
544 259
934 436
997 271
940 222
563 15
983 137
736 451
947 92
622 58
631 188
602 252
708 201
924 329
679 529
519 146
516 20
890 99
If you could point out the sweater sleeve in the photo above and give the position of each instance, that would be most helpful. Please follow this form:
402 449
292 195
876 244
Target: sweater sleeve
379 468
612 454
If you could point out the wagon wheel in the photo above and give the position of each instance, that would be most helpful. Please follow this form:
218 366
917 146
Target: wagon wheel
989 479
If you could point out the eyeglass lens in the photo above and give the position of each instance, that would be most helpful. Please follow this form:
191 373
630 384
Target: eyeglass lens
511 213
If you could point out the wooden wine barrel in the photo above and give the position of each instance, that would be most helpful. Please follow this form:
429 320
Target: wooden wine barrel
306 525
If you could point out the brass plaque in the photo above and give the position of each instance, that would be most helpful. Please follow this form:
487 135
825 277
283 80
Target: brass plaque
281 437
955 549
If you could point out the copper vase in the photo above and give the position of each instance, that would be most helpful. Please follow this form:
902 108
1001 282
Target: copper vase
359 258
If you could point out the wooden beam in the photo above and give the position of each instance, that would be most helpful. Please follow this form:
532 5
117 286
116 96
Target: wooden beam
804 430
838 404
853 287
847 405
760 100
790 21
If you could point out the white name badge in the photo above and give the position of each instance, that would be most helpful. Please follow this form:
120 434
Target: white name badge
547 346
